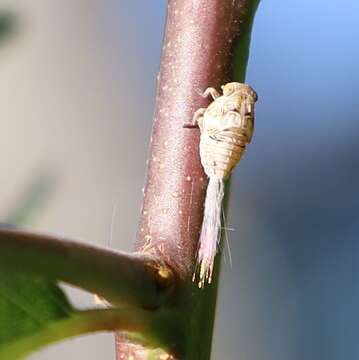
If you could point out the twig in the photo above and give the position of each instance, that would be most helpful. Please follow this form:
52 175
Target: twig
201 39
118 277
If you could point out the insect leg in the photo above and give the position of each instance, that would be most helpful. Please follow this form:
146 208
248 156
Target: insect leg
211 91
197 118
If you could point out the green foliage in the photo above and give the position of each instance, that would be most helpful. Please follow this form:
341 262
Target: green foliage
35 312
28 305
7 25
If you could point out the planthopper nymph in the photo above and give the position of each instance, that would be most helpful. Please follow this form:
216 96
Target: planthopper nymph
226 127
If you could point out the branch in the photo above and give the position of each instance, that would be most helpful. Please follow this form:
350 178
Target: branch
118 277
202 40
198 52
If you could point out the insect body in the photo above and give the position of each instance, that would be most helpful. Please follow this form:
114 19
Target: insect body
226 127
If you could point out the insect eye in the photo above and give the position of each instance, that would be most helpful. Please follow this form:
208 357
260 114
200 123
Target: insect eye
228 89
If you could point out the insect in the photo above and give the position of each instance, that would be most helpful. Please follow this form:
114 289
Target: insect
226 127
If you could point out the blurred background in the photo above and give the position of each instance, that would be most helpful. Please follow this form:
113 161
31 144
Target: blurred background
77 87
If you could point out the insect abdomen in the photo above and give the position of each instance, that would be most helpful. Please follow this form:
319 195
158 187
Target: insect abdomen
222 151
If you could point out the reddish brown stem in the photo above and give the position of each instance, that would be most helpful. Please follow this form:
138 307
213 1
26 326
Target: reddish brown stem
198 50
197 53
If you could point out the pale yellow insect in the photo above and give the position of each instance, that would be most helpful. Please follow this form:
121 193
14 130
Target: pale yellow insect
226 127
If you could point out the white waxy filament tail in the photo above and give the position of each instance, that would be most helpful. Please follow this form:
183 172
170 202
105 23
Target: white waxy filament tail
211 230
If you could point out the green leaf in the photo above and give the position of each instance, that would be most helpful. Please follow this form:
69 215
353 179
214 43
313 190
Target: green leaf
28 305
35 312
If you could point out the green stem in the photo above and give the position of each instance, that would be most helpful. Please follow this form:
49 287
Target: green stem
79 323
241 50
